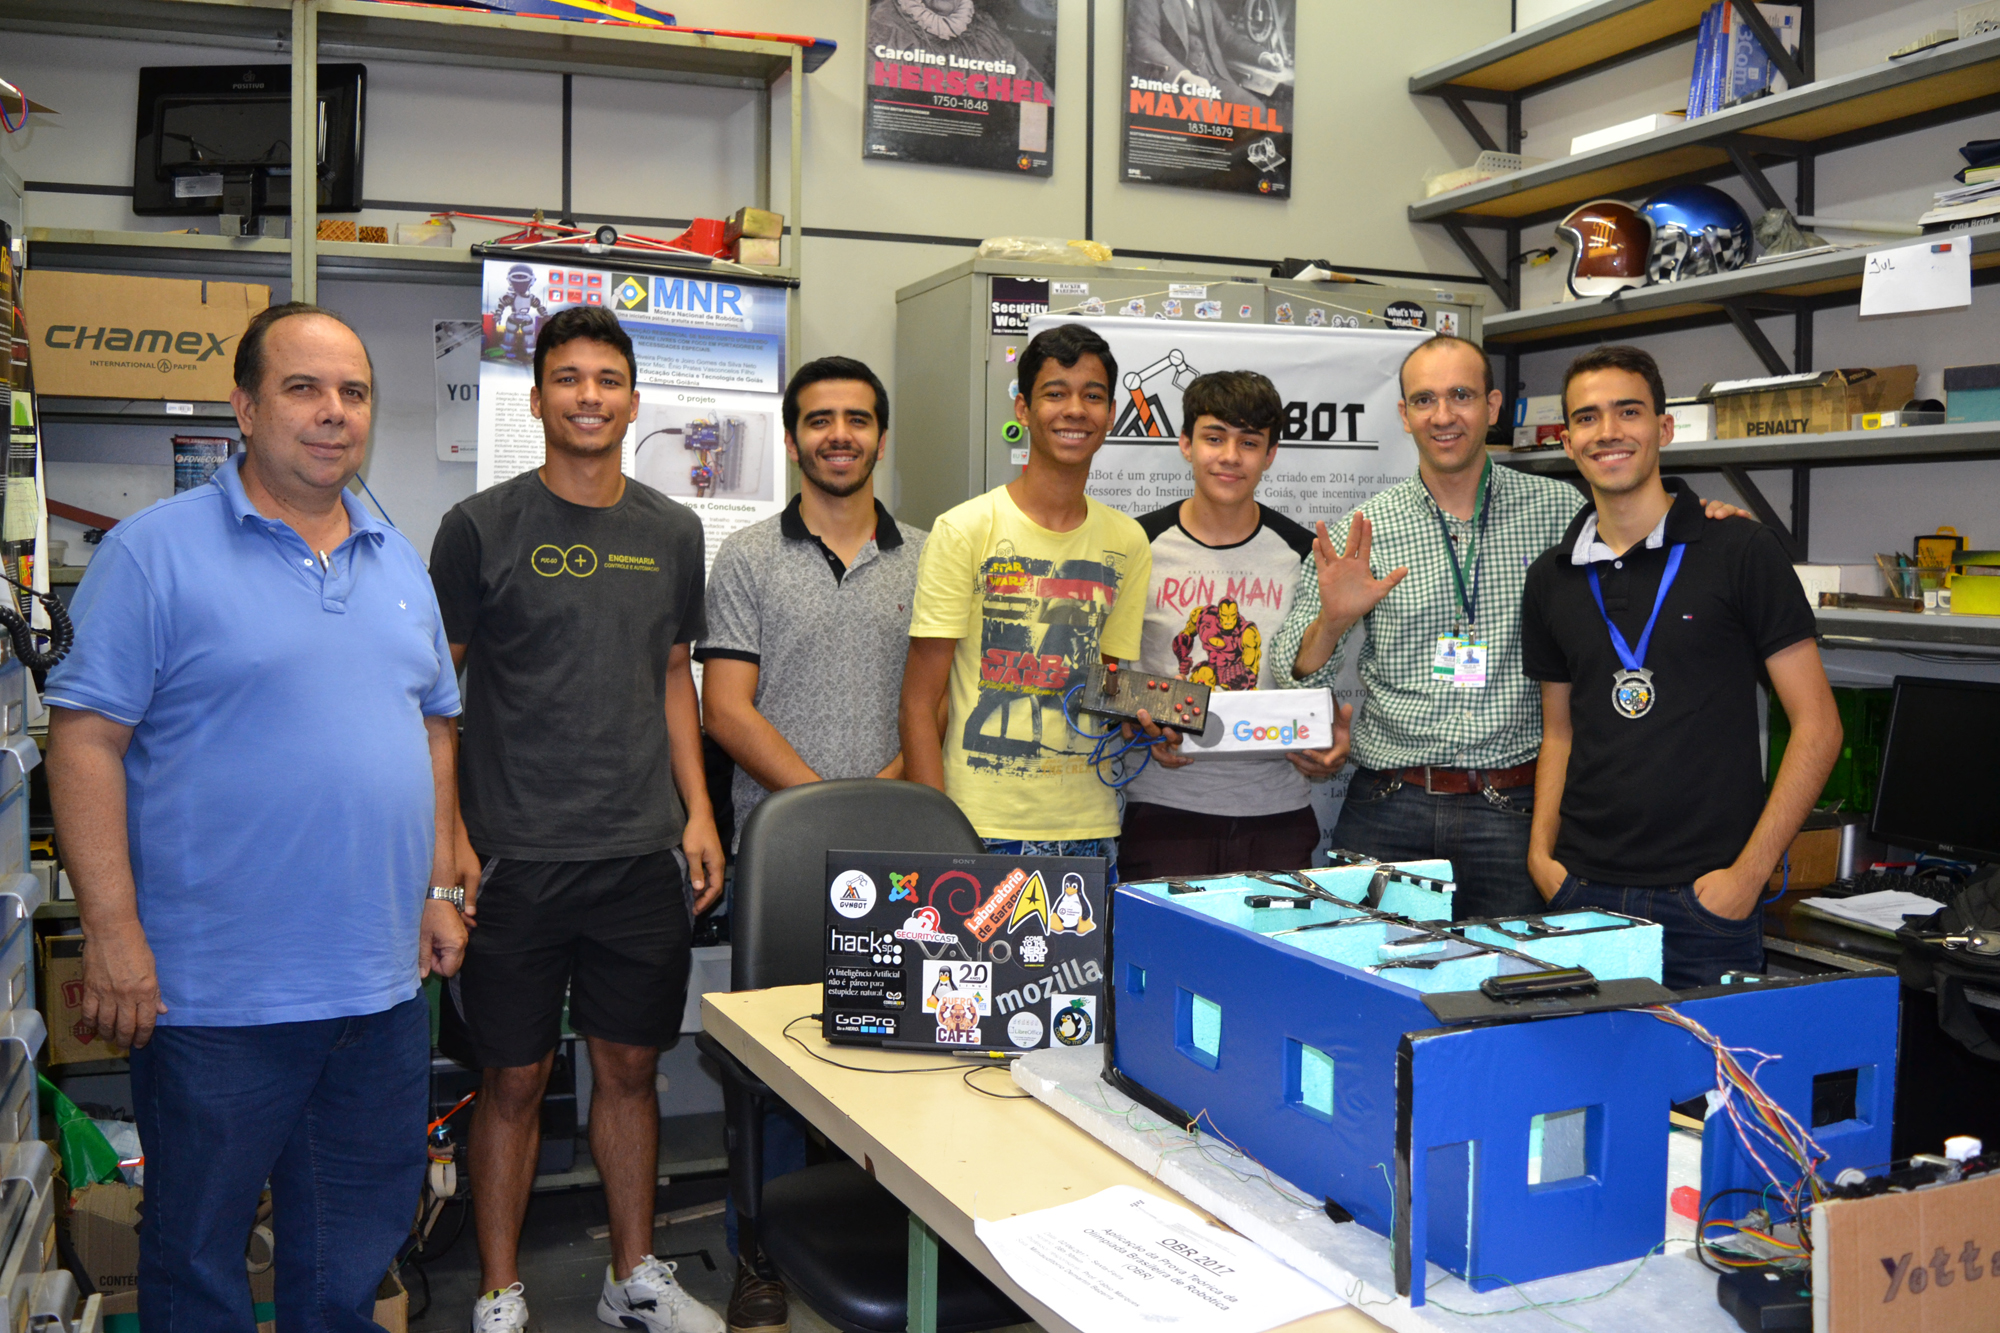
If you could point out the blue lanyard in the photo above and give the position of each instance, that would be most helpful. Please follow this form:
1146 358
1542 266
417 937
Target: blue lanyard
1468 598
1633 661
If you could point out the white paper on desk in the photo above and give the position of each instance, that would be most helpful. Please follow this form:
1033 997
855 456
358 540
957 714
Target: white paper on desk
1883 910
1934 274
1124 1259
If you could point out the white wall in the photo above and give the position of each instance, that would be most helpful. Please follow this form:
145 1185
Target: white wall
474 139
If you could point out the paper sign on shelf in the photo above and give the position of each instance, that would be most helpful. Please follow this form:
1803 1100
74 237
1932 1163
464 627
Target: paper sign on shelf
1935 274
1124 1259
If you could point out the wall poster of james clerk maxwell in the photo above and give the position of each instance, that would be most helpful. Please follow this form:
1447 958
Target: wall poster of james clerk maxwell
962 83
1208 94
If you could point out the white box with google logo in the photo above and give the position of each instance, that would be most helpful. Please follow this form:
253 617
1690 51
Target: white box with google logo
1264 721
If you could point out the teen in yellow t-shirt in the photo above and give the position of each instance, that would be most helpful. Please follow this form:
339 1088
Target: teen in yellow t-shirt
1021 590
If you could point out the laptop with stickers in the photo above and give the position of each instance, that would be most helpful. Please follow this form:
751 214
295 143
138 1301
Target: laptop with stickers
979 954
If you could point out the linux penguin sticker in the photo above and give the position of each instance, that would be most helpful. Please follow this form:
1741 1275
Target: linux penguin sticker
1072 912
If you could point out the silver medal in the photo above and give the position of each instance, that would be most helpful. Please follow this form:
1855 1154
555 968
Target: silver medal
1632 692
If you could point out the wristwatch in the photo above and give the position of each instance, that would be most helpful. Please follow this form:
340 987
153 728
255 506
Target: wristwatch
451 893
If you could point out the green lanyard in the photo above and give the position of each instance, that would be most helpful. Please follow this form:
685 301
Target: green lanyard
1468 601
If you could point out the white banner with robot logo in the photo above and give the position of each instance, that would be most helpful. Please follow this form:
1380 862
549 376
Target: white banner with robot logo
1340 442
711 376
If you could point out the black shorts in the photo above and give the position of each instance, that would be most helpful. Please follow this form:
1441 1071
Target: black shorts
614 935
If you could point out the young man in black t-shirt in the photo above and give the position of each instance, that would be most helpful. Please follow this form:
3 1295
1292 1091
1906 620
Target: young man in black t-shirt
1650 628
571 596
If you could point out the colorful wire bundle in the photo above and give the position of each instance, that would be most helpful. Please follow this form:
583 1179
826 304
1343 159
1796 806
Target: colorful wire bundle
1755 1117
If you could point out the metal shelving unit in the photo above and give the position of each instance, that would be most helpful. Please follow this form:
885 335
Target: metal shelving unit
1569 46
307 31
1799 455
1943 84
1877 629
1813 116
1817 282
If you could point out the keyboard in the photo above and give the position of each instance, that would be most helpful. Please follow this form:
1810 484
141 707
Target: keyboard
1934 887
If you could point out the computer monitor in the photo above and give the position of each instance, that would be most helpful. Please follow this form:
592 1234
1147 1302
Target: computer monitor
1937 791
218 139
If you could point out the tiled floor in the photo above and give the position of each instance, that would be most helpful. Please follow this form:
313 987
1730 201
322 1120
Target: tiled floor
563 1269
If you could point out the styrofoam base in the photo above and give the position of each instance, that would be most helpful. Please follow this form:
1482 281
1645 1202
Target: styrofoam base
1670 1293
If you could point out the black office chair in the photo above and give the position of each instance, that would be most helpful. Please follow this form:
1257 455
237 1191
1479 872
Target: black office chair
836 1235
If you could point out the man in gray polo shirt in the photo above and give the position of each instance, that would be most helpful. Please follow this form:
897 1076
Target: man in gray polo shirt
808 629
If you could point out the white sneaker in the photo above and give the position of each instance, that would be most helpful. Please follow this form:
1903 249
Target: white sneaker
651 1300
501 1311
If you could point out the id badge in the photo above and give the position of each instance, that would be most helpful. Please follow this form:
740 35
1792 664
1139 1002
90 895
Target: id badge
1444 663
1469 672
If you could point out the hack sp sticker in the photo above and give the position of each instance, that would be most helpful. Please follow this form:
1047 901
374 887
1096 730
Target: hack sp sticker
880 949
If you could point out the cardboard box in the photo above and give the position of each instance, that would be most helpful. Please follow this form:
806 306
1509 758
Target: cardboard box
392 1308
104 1230
1975 587
98 336
1631 129
62 1003
1971 393
760 252
1694 423
1538 422
1812 404
760 223
1816 579
1815 861
1911 1261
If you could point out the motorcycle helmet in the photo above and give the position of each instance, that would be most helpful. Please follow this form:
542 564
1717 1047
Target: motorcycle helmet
1610 240
1697 230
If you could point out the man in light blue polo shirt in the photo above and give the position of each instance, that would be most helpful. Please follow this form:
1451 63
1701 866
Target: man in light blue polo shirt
251 756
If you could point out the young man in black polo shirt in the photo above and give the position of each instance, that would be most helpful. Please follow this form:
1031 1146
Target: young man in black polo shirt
1650 627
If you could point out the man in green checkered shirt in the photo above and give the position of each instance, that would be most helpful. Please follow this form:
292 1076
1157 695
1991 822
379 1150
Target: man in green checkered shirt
1446 737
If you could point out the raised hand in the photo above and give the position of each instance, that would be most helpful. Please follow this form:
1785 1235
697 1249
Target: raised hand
1348 589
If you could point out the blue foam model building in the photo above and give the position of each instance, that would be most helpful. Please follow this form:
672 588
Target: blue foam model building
1331 1023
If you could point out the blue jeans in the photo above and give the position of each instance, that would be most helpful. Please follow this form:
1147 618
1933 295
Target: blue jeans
1487 844
1698 946
331 1112
1104 847
784 1153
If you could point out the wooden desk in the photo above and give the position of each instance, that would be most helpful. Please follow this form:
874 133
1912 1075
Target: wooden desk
947 1153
